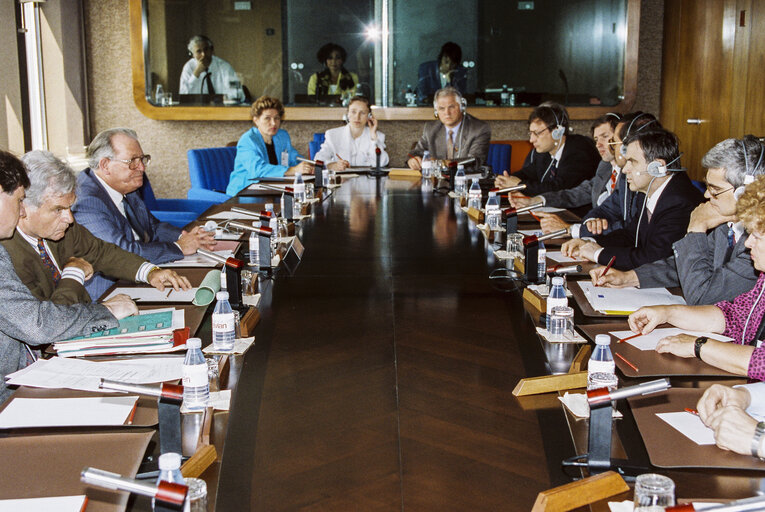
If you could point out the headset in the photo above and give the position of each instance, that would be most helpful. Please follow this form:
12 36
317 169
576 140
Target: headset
657 170
623 148
559 131
462 101
750 173
346 120
199 38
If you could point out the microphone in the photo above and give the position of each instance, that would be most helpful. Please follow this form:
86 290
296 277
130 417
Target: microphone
263 215
378 152
513 211
312 162
532 239
229 262
743 505
510 189
560 269
600 395
261 231
165 390
167 493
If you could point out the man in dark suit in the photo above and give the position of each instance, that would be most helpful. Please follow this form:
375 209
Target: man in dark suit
455 136
559 160
446 70
668 199
711 262
54 256
109 206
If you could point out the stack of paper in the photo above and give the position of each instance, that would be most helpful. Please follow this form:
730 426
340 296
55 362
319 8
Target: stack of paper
68 412
52 504
650 340
147 294
198 260
626 300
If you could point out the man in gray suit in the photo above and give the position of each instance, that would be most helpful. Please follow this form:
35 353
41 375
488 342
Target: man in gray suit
455 136
25 321
710 263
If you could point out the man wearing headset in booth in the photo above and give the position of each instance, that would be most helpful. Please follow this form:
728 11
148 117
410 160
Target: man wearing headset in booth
456 135
667 198
205 73
559 160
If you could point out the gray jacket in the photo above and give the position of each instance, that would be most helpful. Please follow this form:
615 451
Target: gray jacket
587 192
26 320
702 266
472 140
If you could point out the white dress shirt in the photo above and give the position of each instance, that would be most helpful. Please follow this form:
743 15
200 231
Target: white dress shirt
221 75
360 152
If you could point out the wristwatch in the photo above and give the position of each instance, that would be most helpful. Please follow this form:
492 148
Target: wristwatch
698 344
758 431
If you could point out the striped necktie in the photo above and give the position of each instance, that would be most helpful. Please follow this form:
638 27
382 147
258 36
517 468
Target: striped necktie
450 145
133 221
48 262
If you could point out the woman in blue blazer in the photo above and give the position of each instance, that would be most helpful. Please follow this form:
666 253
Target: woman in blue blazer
265 149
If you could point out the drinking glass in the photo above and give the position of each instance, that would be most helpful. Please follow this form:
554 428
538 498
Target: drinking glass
653 493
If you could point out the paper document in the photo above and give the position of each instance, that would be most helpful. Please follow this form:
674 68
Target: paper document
60 372
690 425
626 299
545 209
197 260
145 294
229 215
53 504
649 341
67 412
558 257
228 236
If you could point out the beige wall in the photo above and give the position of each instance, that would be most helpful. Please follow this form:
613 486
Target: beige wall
11 129
111 103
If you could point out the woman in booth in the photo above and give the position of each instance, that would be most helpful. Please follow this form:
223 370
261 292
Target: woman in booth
265 149
742 319
334 79
355 143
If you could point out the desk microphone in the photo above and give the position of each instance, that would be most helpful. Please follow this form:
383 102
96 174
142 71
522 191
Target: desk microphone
229 262
744 505
312 162
263 216
167 495
560 269
533 239
510 189
515 211
596 397
377 172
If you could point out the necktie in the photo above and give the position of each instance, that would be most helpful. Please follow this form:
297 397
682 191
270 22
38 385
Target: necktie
450 145
613 180
208 81
731 237
48 262
133 221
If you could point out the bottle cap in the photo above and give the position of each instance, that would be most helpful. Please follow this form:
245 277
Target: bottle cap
193 343
221 295
557 281
602 339
492 193
169 461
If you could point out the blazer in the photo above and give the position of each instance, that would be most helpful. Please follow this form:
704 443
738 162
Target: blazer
587 192
96 211
339 141
107 259
707 269
429 80
251 161
668 224
26 320
578 162
618 209
472 140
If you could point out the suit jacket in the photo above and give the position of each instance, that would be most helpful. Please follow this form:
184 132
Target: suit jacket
587 192
618 209
429 80
668 224
96 211
107 259
706 268
25 319
578 162
472 140
251 160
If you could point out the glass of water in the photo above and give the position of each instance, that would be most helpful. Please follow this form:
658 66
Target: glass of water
197 494
653 493
561 323
515 244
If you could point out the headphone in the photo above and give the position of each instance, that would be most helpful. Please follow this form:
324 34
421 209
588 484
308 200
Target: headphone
749 177
346 120
559 131
462 101
199 38
657 170
623 147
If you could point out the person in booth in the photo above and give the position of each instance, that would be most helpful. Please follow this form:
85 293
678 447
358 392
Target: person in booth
559 160
735 415
27 323
265 149
205 73
447 70
668 197
334 79
711 263
54 256
456 135
355 144
740 319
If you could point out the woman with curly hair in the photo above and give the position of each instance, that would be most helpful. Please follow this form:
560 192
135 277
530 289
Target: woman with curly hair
334 78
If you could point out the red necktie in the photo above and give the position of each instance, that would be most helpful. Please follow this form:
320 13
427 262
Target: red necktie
48 262
613 180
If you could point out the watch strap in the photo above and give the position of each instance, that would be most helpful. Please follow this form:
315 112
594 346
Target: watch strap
759 430
698 344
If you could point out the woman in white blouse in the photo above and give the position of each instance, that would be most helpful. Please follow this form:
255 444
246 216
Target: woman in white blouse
354 144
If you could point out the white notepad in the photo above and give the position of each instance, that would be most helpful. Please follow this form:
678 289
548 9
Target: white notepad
649 341
67 412
690 425
626 299
51 504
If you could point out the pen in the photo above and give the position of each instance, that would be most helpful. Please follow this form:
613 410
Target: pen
692 411
168 293
532 214
132 413
608 267
627 362
630 337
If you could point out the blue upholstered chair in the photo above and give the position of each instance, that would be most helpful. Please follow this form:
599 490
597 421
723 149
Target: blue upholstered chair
499 157
209 171
315 145
177 212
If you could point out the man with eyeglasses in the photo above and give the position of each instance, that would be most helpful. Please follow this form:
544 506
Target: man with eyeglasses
710 263
109 205
560 160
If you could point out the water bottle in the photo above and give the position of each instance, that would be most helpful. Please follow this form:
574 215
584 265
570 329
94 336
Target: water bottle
223 325
411 97
427 165
556 297
474 195
223 282
493 214
159 95
196 385
541 262
504 95
460 186
298 189
170 471
254 253
601 368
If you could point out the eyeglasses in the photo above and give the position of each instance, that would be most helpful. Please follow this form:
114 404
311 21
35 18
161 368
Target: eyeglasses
133 162
538 132
719 193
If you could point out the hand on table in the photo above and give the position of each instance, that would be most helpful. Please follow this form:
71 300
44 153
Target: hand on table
717 396
80 263
301 167
645 319
587 251
121 306
734 429
415 163
339 165
190 241
519 200
504 180
551 222
570 248
680 345
161 278
614 278
596 226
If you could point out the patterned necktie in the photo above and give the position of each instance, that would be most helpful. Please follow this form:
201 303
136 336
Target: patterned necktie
450 146
208 81
731 237
48 262
613 181
133 221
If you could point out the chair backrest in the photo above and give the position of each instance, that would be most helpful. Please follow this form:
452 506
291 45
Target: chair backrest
521 149
313 148
499 157
319 137
210 168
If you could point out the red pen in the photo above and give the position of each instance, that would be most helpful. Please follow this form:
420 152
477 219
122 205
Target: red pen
608 267
532 214
692 411
627 362
630 337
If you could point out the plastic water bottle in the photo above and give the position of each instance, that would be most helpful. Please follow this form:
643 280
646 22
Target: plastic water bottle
541 262
254 253
427 165
298 189
460 181
196 385
504 95
170 471
223 325
159 95
556 297
601 368
493 214
474 195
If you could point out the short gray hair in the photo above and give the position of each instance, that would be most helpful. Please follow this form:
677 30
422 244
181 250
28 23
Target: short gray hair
198 39
447 91
101 145
48 176
736 156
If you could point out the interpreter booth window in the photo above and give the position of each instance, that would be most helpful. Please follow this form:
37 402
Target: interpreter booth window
508 53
